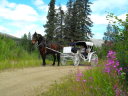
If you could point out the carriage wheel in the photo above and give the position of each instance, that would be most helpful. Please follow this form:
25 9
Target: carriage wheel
94 60
63 60
76 60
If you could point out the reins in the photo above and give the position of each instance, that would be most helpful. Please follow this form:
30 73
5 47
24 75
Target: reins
49 48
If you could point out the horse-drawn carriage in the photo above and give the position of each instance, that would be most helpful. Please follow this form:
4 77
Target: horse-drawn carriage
82 51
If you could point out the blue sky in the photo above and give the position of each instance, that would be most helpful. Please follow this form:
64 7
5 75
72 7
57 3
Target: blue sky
22 16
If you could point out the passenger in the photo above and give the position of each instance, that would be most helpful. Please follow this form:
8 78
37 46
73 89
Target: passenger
72 43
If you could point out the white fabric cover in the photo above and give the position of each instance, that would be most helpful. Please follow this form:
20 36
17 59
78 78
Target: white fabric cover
67 49
89 43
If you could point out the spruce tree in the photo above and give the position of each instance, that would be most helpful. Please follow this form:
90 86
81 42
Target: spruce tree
83 21
59 31
68 21
29 36
77 21
50 25
30 45
110 34
24 41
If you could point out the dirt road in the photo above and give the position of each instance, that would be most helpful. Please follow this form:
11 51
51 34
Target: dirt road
31 81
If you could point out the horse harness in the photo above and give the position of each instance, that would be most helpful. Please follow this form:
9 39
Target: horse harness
45 46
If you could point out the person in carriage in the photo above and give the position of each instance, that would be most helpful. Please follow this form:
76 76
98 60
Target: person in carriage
79 45
73 45
83 47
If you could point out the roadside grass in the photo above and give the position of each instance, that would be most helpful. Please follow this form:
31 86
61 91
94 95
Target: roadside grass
14 64
28 61
93 82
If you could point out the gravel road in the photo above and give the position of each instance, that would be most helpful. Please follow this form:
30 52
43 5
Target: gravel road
32 81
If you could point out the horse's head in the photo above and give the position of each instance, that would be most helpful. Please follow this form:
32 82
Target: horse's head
37 37
34 38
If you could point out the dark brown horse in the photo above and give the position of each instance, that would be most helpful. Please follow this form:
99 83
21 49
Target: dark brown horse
46 48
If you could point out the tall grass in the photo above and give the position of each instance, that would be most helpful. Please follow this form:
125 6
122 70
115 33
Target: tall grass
99 81
93 82
7 64
13 55
10 50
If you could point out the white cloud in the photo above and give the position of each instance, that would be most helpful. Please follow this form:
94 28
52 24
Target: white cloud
21 18
41 5
4 29
99 19
98 35
44 7
122 16
29 28
20 12
64 8
104 5
39 2
7 4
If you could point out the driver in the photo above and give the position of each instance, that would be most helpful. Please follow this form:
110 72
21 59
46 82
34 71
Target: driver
72 44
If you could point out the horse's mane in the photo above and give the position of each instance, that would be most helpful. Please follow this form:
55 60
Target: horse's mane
41 38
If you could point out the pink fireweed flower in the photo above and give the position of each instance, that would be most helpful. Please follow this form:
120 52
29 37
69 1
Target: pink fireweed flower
118 92
111 54
115 86
114 66
79 75
77 79
91 78
119 70
117 63
84 80
112 63
107 70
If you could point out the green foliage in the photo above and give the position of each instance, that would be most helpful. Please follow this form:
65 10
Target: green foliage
13 64
121 44
59 31
26 44
77 21
110 34
102 51
73 24
12 50
50 25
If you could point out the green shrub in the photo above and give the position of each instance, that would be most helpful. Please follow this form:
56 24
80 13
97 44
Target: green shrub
11 50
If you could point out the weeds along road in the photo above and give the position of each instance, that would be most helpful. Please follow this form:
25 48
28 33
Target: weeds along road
32 81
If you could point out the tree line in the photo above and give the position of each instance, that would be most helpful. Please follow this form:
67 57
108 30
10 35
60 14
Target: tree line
72 24
26 43
64 26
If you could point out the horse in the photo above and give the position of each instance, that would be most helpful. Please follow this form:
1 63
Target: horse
46 48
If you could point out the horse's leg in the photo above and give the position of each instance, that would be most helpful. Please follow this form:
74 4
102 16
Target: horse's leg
43 58
54 57
58 59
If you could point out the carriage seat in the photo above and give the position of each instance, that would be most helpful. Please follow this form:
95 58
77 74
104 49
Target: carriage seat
67 49
70 49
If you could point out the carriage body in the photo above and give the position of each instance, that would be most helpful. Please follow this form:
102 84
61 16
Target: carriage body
84 53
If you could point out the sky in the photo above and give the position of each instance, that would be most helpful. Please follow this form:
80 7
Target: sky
18 17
